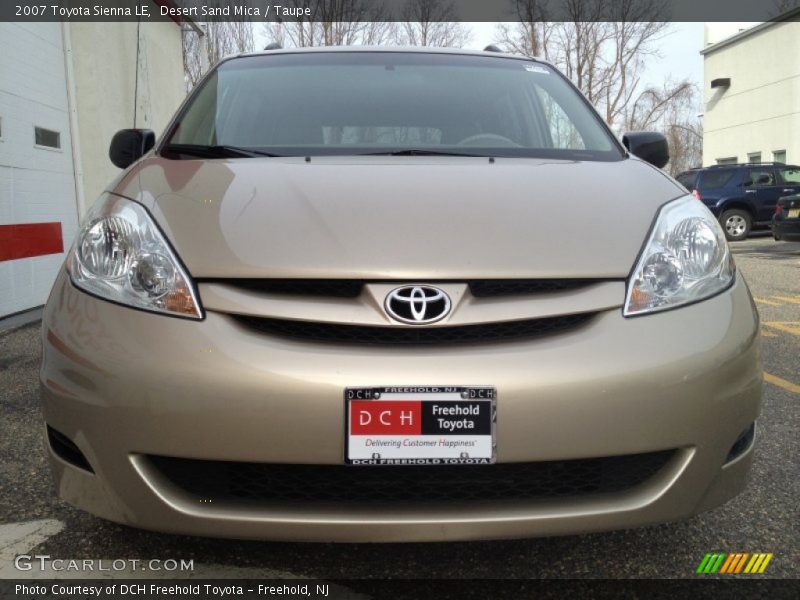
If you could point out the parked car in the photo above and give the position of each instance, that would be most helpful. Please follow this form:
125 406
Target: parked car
786 220
395 295
742 196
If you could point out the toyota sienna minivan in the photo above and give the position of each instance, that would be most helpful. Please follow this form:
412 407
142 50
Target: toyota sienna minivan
396 295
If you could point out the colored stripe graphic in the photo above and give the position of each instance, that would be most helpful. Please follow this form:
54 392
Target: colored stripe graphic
755 562
767 558
26 240
703 563
730 566
733 563
727 563
738 564
711 562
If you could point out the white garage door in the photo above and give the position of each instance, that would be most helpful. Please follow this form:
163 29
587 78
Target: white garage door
38 212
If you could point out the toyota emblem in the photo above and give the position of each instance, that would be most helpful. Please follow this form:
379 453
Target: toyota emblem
417 304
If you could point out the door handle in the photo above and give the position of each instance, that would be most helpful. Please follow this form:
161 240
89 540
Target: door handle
788 189
749 191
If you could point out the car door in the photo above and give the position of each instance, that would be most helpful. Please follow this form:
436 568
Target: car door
716 184
761 187
789 180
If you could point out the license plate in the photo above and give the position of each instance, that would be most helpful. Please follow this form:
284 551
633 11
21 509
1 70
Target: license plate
426 425
794 213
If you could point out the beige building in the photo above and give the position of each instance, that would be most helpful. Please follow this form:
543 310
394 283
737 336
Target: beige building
752 92
136 80
65 89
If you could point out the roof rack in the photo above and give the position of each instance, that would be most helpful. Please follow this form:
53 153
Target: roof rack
747 164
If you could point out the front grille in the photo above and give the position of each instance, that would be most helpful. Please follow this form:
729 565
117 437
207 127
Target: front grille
351 288
504 331
333 288
490 288
283 483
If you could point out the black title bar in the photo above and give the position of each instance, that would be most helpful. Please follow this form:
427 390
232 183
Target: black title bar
398 10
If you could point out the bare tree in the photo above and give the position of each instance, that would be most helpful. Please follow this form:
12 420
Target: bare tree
684 130
531 36
602 47
685 147
653 104
334 23
221 39
193 63
431 23
346 22
783 6
671 109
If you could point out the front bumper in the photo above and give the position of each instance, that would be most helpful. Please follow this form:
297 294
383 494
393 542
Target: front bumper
123 384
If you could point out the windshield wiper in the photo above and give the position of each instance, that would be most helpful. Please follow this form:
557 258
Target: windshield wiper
215 151
419 152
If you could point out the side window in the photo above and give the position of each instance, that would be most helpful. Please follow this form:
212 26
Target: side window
759 178
713 179
790 175
687 180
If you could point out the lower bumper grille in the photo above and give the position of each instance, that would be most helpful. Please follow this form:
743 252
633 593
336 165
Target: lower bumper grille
504 331
288 483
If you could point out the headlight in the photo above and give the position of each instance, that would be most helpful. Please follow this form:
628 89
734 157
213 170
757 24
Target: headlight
121 255
686 259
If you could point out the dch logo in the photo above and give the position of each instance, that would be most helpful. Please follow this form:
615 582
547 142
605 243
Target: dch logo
385 417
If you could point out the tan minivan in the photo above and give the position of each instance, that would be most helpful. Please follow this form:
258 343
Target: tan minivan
395 295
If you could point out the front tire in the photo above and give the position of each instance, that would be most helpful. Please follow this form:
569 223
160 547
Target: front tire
736 223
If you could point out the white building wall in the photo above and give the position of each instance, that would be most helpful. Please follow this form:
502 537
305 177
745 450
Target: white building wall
716 32
760 112
78 79
36 184
105 66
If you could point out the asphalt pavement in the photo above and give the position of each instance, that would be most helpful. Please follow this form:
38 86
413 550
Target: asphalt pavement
765 518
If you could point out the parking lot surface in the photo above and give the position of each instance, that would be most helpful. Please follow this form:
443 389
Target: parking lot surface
765 518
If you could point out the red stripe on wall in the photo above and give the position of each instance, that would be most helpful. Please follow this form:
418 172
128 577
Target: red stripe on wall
30 239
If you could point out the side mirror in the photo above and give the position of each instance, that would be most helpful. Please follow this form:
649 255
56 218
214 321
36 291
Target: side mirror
648 145
129 145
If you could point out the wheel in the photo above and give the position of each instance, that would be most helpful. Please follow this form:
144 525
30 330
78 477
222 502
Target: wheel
736 223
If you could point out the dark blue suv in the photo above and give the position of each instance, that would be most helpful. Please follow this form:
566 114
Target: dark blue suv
742 196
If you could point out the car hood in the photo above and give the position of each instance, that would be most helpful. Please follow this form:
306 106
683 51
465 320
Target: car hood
402 218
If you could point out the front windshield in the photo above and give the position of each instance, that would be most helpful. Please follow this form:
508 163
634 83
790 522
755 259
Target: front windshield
346 103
